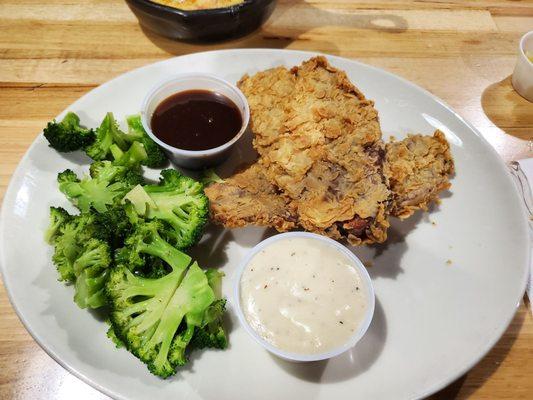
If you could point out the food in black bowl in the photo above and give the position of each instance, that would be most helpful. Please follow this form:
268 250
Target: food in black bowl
203 24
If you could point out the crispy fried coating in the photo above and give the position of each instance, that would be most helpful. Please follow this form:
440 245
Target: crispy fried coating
417 169
248 198
271 90
320 144
323 166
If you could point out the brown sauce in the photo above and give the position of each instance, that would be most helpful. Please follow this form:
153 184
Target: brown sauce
196 120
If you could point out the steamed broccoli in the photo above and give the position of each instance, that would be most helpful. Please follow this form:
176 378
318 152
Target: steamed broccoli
58 216
156 157
91 270
111 141
209 176
123 249
115 224
147 313
68 135
80 255
210 333
177 200
109 184
66 249
203 329
214 277
107 134
125 166
68 242
135 155
106 170
107 142
113 336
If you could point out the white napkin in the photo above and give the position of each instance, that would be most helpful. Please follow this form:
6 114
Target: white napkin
524 180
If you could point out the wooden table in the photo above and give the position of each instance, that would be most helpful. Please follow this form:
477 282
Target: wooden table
461 50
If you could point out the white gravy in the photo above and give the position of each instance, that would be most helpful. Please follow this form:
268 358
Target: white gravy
302 296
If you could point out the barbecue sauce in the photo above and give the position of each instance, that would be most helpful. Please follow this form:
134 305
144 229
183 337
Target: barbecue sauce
196 120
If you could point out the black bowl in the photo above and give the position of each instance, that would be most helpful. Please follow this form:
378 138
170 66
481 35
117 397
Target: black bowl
202 25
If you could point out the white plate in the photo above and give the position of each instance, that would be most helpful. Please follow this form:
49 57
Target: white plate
433 321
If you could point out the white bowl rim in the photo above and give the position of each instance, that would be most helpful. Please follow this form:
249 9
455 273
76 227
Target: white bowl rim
183 77
521 48
365 279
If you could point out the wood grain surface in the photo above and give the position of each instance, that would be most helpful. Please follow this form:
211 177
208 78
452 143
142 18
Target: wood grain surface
53 52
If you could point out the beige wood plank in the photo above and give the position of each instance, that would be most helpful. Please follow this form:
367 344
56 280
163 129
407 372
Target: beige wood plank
112 12
299 16
515 23
54 59
500 7
127 40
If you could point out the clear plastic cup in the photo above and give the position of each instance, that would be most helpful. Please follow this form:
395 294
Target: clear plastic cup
192 159
298 357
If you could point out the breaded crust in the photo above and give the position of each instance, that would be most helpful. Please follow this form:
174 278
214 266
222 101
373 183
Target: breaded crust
323 166
320 144
417 169
248 198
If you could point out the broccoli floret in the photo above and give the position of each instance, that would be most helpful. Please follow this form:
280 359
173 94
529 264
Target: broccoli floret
133 178
177 354
210 176
122 161
147 240
66 249
214 277
114 225
113 336
69 240
67 176
211 333
135 155
147 313
107 170
109 185
80 256
91 271
103 169
107 134
156 156
179 201
203 330
58 216
152 267
68 135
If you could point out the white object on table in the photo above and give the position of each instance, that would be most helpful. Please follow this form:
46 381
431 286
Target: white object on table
522 171
523 73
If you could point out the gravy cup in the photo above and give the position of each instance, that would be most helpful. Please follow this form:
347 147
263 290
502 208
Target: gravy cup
194 159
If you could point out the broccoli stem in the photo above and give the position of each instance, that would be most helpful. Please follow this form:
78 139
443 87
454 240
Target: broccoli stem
158 247
193 295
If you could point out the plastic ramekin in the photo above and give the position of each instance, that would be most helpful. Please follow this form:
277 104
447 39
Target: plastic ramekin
192 159
298 357
523 73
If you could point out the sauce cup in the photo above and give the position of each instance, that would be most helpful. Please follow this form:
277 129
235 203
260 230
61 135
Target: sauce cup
299 357
193 159
522 78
